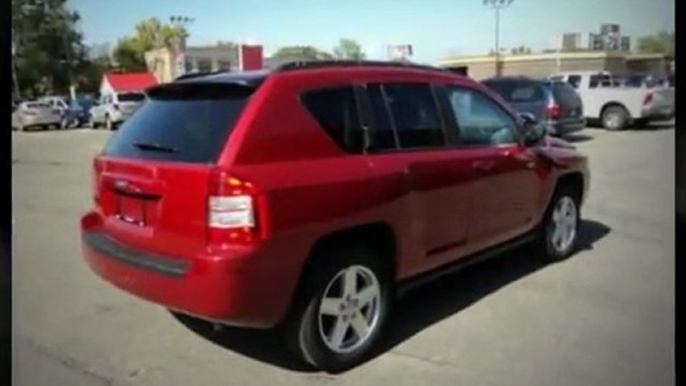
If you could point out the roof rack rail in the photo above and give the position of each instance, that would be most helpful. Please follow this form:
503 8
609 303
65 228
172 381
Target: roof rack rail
192 75
314 64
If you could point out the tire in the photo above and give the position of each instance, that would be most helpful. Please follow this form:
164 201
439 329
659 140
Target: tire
615 118
334 343
92 123
559 230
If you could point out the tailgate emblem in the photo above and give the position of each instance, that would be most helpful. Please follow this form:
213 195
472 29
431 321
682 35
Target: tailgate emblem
121 184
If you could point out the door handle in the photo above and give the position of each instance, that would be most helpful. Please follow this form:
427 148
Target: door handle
483 166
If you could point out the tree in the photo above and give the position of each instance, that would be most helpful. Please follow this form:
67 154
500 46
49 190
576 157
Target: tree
301 53
660 43
129 54
349 49
49 48
520 50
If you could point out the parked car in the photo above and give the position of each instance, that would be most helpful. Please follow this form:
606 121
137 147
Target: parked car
305 197
554 104
78 113
115 108
617 107
34 114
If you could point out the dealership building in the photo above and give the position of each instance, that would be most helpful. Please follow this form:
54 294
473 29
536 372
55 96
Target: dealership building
542 65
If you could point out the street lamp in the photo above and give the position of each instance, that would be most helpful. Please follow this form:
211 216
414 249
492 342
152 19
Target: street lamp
497 5
179 42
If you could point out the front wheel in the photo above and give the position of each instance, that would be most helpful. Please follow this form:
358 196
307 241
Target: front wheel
341 309
560 227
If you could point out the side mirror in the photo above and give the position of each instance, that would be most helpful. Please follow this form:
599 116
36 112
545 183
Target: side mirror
532 130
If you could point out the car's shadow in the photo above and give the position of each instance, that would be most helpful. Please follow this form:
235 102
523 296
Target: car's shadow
414 312
575 138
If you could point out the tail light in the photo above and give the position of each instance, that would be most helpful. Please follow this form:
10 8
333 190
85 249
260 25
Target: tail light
553 110
115 106
231 210
97 168
648 99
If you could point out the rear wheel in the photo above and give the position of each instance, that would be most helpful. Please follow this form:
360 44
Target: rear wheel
615 118
341 309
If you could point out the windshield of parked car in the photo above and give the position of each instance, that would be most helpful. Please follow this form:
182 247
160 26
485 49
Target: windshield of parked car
517 91
131 97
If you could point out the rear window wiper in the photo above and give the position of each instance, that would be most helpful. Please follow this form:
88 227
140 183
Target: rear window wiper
145 146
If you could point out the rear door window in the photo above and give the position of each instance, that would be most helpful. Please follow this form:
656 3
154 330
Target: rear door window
384 136
336 111
574 80
416 117
181 123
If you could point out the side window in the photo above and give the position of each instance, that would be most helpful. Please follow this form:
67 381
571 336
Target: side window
574 80
415 115
480 120
384 135
335 109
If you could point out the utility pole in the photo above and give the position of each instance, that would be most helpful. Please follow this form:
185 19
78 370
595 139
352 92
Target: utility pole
497 5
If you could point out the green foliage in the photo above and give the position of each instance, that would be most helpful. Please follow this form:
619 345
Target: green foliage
302 53
659 43
349 49
151 33
48 47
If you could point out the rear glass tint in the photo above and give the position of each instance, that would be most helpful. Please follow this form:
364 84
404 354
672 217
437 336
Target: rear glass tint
518 92
181 123
131 97
565 93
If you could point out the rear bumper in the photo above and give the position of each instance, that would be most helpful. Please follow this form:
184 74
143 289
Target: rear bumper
658 113
239 286
564 128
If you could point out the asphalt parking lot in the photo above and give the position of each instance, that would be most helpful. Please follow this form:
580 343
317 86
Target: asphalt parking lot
603 317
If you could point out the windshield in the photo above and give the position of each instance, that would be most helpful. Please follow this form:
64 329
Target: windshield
131 97
517 91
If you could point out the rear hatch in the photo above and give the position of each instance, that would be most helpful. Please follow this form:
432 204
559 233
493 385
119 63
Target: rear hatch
153 177
526 96
569 102
662 99
129 102
41 111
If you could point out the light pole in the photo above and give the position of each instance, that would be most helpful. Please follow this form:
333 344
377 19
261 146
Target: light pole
179 42
497 5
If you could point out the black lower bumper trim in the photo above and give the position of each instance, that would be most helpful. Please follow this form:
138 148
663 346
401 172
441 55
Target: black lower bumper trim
160 264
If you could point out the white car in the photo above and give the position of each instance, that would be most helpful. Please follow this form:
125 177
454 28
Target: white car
617 106
113 109
34 114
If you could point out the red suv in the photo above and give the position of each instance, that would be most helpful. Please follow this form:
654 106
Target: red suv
304 197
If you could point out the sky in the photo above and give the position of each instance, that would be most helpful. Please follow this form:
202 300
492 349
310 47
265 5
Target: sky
436 28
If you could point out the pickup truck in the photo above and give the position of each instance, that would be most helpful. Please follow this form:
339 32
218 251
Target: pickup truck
616 106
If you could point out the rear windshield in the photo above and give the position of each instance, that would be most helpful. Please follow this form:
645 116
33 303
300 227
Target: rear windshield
37 106
131 97
181 123
517 92
564 93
